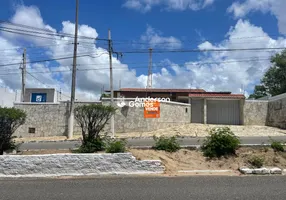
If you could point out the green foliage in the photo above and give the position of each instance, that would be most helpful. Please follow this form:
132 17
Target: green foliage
92 120
166 144
92 146
277 146
274 80
116 146
220 142
259 92
10 120
105 96
256 161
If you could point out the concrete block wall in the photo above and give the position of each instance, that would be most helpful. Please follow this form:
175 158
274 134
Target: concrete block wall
131 119
277 111
48 119
255 112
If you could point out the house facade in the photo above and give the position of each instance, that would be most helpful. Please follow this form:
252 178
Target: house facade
206 107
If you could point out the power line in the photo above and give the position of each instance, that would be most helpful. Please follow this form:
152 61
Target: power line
249 59
46 60
45 84
138 67
46 31
203 50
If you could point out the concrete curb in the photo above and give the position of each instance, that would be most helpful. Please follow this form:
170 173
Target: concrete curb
261 171
205 171
78 174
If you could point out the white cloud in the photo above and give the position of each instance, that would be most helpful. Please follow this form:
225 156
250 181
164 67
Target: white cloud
92 74
154 39
179 5
224 71
275 7
213 71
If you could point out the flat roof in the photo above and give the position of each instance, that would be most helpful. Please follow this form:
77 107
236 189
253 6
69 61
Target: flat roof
217 95
157 90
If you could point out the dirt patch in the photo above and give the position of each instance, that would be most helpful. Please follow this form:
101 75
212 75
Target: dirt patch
194 160
52 138
201 130
44 152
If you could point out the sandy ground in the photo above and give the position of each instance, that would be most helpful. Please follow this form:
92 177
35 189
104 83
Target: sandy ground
54 138
194 160
188 130
201 130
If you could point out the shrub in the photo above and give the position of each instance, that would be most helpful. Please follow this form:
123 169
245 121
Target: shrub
92 120
277 146
220 142
92 146
10 120
116 146
166 144
256 161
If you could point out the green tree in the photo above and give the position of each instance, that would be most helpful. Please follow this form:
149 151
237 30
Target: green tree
259 92
92 120
10 120
274 80
105 96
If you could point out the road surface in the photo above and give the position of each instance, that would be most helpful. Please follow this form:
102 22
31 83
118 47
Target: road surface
142 142
151 188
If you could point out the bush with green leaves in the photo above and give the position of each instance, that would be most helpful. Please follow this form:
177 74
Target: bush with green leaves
256 161
92 120
220 142
10 120
169 144
92 146
277 146
116 146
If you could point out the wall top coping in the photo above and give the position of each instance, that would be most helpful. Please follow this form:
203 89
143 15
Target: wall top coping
278 97
67 154
132 99
32 103
257 101
81 101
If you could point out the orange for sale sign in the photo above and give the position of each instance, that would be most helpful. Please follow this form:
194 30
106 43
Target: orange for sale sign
151 109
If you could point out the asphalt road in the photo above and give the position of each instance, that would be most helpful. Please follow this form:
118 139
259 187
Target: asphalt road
142 142
151 188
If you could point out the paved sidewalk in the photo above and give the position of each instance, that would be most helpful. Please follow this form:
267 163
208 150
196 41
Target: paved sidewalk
142 142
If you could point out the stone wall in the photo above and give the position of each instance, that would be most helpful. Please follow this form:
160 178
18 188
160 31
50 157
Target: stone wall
75 165
48 119
255 112
277 111
131 119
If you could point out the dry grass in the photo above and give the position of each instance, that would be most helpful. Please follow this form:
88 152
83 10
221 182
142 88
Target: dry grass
44 152
194 160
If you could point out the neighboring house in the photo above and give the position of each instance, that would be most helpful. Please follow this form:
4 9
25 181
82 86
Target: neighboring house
8 97
206 107
44 95
178 95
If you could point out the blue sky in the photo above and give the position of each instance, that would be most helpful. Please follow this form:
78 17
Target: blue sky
151 24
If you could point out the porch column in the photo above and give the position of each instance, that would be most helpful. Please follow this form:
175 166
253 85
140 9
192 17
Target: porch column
205 111
190 106
241 116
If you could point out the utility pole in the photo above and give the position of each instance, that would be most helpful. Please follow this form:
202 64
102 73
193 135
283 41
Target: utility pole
149 84
111 80
23 68
71 116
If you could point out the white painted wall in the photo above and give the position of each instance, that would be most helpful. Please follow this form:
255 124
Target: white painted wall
8 97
